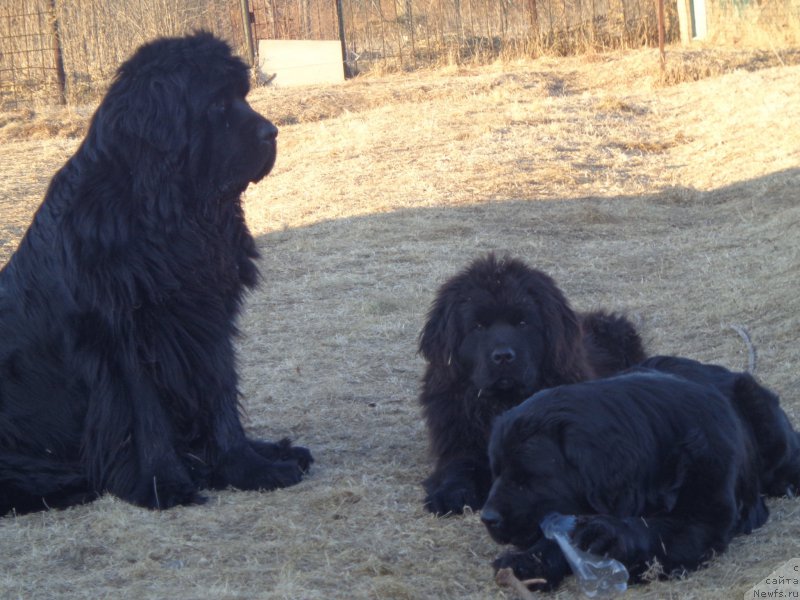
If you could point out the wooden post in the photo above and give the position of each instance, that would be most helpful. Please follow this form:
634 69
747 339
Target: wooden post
248 33
340 19
534 17
660 5
57 55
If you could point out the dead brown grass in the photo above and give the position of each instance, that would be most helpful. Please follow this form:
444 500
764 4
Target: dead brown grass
676 203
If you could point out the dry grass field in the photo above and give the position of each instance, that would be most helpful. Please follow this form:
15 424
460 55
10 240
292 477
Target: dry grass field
673 198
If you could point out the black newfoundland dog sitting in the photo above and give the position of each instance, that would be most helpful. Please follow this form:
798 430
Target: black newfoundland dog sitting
666 463
497 332
118 309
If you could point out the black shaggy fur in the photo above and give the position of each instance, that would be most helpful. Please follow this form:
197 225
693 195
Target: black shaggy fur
666 462
759 410
497 332
118 309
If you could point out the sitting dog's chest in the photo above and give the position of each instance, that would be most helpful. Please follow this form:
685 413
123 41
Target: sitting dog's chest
207 256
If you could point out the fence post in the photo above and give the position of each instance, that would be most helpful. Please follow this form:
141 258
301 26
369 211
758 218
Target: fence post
248 33
660 7
57 56
340 19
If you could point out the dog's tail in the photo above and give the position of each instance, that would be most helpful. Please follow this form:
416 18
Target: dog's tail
612 341
29 484
751 349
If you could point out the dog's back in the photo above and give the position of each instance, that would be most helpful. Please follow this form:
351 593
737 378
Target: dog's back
759 408
660 434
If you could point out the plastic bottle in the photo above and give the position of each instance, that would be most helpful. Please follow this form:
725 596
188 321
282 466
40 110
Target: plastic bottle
598 577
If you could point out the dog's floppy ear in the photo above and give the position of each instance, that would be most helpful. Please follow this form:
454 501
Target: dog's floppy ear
565 361
146 110
438 337
673 471
604 473
142 128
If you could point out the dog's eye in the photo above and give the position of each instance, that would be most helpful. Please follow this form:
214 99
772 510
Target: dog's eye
479 325
522 324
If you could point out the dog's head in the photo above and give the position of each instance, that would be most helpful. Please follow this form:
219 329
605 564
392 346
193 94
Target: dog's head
505 327
616 446
176 112
531 477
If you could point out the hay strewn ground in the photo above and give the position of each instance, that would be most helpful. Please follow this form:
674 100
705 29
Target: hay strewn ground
677 203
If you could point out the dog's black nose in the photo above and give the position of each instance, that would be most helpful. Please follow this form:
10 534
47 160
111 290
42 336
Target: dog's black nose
503 355
266 131
491 518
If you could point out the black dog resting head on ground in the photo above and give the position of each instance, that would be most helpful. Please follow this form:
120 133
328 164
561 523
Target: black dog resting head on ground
497 332
655 466
118 309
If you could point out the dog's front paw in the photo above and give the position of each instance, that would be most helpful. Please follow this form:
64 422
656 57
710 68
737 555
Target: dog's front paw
284 451
597 534
451 498
162 490
247 469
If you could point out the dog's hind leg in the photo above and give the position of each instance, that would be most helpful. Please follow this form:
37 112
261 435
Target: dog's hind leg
778 443
129 446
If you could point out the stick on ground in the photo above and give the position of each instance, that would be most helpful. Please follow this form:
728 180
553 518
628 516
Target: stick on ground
506 578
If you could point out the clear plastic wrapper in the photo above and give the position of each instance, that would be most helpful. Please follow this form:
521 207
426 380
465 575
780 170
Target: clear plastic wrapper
598 577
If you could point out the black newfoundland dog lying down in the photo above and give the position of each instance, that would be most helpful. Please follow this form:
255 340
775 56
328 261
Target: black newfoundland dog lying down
666 463
497 332
118 309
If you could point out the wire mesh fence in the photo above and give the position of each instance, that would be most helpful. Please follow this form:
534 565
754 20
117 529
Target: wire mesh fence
54 51
766 23
58 50
406 34
28 55
295 20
